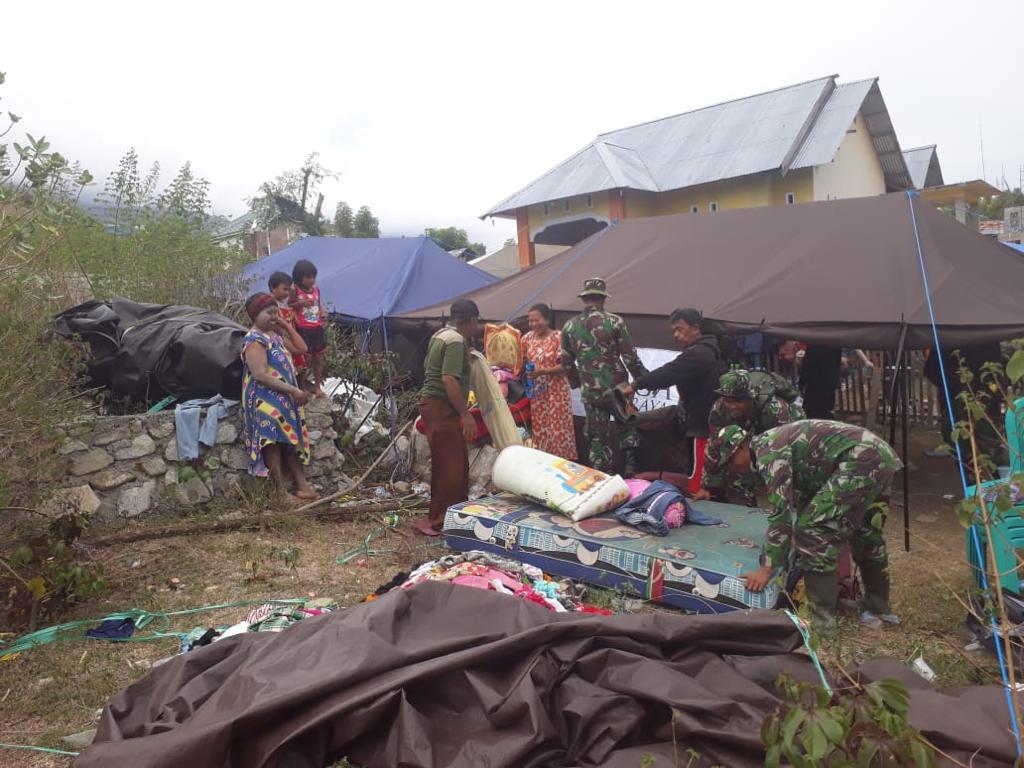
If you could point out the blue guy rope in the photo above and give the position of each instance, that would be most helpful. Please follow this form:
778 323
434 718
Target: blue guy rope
963 475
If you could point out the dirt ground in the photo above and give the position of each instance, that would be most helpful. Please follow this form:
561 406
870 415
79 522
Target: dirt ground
56 690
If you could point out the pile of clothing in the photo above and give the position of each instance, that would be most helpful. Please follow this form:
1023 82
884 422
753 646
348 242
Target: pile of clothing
655 507
269 617
482 570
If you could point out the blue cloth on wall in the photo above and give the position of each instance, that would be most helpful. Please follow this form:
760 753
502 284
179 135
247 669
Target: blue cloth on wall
190 432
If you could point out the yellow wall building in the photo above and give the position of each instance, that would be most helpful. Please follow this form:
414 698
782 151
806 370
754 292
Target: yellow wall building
819 140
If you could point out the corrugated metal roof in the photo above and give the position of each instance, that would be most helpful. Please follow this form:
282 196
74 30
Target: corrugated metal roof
798 126
923 166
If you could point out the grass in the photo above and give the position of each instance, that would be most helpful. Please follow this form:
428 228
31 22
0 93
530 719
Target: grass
213 569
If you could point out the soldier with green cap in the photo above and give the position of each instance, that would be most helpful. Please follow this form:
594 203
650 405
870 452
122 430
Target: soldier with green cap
756 401
597 351
828 484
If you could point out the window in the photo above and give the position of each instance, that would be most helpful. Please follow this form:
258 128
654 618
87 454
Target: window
566 204
713 207
547 209
590 201
790 198
694 209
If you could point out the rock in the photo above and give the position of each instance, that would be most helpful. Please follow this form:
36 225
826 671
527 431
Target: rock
82 739
72 446
319 420
224 482
142 445
43 682
226 433
319 405
315 435
174 584
110 479
138 427
236 515
80 498
161 429
87 462
192 492
154 466
136 500
235 458
324 450
402 488
113 436
171 477
171 451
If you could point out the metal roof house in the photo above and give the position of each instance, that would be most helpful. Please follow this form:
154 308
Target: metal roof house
923 166
816 140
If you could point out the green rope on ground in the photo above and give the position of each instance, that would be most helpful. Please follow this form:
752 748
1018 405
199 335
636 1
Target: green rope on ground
390 522
141 618
805 635
39 749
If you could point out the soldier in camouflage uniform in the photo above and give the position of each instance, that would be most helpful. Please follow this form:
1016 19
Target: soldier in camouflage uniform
828 484
597 352
748 399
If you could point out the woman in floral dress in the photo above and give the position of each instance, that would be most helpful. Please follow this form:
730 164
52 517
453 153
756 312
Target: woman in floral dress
275 433
551 408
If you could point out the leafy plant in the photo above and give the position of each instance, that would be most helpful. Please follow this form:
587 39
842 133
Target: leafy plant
289 556
856 728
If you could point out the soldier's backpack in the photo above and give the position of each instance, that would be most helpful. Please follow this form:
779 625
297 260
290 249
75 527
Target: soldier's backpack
766 384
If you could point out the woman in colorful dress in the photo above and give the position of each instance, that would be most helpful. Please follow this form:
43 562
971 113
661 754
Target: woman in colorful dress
275 432
551 407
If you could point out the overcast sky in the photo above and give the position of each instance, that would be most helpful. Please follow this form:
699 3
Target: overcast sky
432 112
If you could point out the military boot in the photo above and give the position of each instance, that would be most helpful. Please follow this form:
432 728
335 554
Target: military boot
822 591
875 608
629 462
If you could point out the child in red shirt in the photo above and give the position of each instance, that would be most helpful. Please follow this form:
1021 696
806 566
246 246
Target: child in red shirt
309 317
280 284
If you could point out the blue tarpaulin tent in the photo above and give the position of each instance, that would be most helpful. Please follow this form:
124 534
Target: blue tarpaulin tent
369 278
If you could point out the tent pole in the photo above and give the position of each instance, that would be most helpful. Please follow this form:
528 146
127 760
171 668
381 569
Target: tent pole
898 388
905 407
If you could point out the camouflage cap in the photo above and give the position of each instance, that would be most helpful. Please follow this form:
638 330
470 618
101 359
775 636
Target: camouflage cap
735 384
731 437
594 286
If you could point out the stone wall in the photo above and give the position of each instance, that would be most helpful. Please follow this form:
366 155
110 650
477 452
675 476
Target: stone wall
124 466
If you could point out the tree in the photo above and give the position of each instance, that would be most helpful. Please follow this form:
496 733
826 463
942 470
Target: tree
187 196
993 207
344 223
365 224
453 238
287 198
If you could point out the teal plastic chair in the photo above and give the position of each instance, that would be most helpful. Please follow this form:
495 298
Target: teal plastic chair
1008 534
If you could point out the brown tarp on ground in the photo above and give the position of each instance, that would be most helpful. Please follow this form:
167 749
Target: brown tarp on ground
841 272
443 675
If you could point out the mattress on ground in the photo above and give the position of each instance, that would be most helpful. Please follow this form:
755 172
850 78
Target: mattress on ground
695 567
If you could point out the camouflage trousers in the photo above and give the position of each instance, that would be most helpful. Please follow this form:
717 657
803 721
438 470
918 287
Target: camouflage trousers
603 432
851 507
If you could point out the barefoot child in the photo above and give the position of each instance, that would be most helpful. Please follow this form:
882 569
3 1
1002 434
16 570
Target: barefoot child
309 317
275 432
280 285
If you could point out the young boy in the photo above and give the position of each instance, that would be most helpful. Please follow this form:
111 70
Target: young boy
280 285
309 317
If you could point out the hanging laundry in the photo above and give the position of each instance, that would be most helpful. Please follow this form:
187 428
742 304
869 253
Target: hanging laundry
188 432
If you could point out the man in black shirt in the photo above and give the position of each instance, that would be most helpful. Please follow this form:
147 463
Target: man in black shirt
694 374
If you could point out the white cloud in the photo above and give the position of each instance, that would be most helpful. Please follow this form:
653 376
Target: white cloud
433 112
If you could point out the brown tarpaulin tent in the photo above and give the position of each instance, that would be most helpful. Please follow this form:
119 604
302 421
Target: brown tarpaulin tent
839 273
418 679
